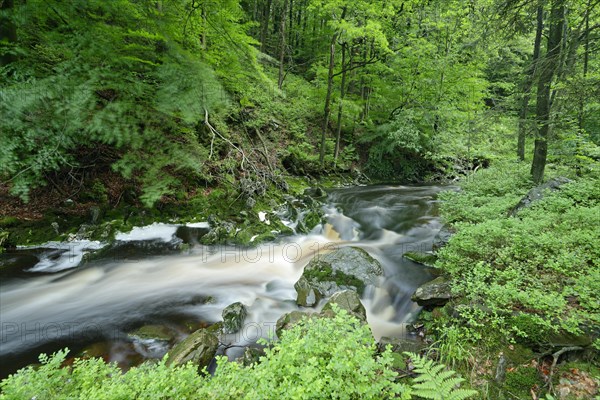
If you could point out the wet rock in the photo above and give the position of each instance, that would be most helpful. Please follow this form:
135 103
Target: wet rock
158 332
345 268
308 296
347 300
191 234
152 341
289 320
433 293
199 348
233 317
442 237
537 193
251 356
421 257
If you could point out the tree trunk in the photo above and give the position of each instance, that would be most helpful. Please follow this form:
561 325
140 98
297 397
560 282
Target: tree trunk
586 58
547 71
528 83
282 43
341 105
8 31
327 109
264 26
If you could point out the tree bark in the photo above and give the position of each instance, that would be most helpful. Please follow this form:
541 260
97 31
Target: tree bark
528 83
341 105
586 58
547 71
264 26
282 43
8 31
327 109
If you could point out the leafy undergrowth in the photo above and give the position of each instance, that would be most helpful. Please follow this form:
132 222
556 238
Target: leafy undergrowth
319 358
525 285
529 275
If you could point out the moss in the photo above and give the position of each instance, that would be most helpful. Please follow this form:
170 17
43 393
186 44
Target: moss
322 272
421 258
8 222
520 381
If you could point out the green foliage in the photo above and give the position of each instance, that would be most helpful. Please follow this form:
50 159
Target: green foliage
435 382
532 274
85 84
318 358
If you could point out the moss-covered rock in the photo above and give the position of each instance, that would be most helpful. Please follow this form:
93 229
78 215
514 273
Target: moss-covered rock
345 268
433 293
199 348
233 317
423 258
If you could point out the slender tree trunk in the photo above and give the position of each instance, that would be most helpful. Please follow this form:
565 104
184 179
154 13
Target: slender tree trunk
341 105
291 27
586 58
282 43
8 31
327 109
264 26
528 84
547 72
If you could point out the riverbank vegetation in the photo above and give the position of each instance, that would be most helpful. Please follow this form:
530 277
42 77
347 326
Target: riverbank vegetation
121 113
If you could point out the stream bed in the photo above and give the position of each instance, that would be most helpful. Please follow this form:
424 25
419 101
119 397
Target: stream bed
50 299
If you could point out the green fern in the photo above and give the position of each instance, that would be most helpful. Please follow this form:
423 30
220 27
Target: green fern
435 382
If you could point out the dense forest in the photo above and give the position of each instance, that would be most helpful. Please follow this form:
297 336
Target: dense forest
127 112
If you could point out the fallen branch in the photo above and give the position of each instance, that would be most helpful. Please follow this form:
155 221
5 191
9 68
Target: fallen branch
215 132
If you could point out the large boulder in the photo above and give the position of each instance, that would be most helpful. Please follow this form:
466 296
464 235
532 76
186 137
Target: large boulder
233 317
345 268
537 193
433 293
200 348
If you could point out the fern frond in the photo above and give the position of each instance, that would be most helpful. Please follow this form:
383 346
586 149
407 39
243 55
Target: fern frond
436 382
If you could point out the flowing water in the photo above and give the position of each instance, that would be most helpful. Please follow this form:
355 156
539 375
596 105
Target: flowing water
47 302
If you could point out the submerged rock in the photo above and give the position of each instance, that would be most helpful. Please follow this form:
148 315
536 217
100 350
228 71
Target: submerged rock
152 341
200 348
421 257
233 317
345 268
433 293
158 332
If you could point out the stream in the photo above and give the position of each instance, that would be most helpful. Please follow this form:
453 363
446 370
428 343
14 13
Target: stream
49 299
